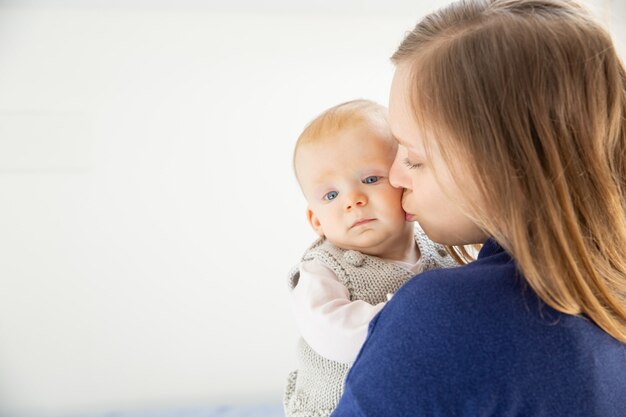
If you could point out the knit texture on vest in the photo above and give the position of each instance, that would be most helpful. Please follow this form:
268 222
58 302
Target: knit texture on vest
314 389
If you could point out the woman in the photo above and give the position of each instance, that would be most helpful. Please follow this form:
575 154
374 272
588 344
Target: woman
511 119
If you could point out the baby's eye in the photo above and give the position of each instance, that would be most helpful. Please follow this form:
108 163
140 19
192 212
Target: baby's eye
331 195
371 179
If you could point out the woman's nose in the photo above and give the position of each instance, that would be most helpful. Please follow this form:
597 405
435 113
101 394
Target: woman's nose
398 176
355 200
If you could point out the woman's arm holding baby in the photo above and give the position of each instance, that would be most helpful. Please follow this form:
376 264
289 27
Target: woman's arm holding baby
332 324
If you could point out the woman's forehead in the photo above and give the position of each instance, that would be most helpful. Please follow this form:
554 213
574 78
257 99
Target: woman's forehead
401 118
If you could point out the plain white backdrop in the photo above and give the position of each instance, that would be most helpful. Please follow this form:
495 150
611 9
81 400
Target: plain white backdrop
148 210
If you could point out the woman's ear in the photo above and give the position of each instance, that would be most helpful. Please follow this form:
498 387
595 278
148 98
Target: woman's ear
314 222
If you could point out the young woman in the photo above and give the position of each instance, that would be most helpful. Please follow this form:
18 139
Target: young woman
511 120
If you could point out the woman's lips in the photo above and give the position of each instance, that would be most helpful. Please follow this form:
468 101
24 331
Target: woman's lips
361 222
409 217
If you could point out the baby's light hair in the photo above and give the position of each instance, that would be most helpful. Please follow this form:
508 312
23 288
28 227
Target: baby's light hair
340 118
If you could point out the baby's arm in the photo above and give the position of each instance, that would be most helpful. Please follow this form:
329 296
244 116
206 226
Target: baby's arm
329 322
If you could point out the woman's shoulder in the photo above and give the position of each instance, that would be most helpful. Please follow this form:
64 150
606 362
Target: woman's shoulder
478 325
447 306
488 297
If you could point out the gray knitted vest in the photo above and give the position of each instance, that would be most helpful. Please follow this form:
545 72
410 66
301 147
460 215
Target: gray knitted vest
314 389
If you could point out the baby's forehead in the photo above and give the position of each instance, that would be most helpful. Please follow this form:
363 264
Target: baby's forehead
358 137
333 158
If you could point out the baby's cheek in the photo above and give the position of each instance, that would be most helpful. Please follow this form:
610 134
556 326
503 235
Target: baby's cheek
393 199
396 194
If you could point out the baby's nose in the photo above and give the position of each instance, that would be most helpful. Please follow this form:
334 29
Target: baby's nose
356 200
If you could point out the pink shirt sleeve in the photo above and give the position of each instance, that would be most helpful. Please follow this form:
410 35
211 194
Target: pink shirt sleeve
329 322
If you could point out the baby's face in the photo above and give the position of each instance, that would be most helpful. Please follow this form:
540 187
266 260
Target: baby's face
351 202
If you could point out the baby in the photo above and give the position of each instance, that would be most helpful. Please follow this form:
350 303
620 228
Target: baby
366 250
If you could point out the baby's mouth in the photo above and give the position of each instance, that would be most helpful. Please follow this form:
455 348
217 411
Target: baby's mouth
361 222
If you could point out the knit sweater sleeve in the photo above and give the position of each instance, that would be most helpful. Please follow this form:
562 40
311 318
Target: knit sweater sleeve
329 322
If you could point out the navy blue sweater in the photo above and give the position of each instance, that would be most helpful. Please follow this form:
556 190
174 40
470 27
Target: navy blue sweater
476 341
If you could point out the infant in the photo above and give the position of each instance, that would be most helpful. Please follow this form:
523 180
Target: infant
365 251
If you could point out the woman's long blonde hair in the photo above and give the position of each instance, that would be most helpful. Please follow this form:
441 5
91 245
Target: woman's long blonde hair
532 94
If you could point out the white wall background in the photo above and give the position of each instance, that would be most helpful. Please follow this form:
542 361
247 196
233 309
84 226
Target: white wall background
148 212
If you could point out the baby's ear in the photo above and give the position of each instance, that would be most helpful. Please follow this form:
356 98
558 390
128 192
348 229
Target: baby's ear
314 222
